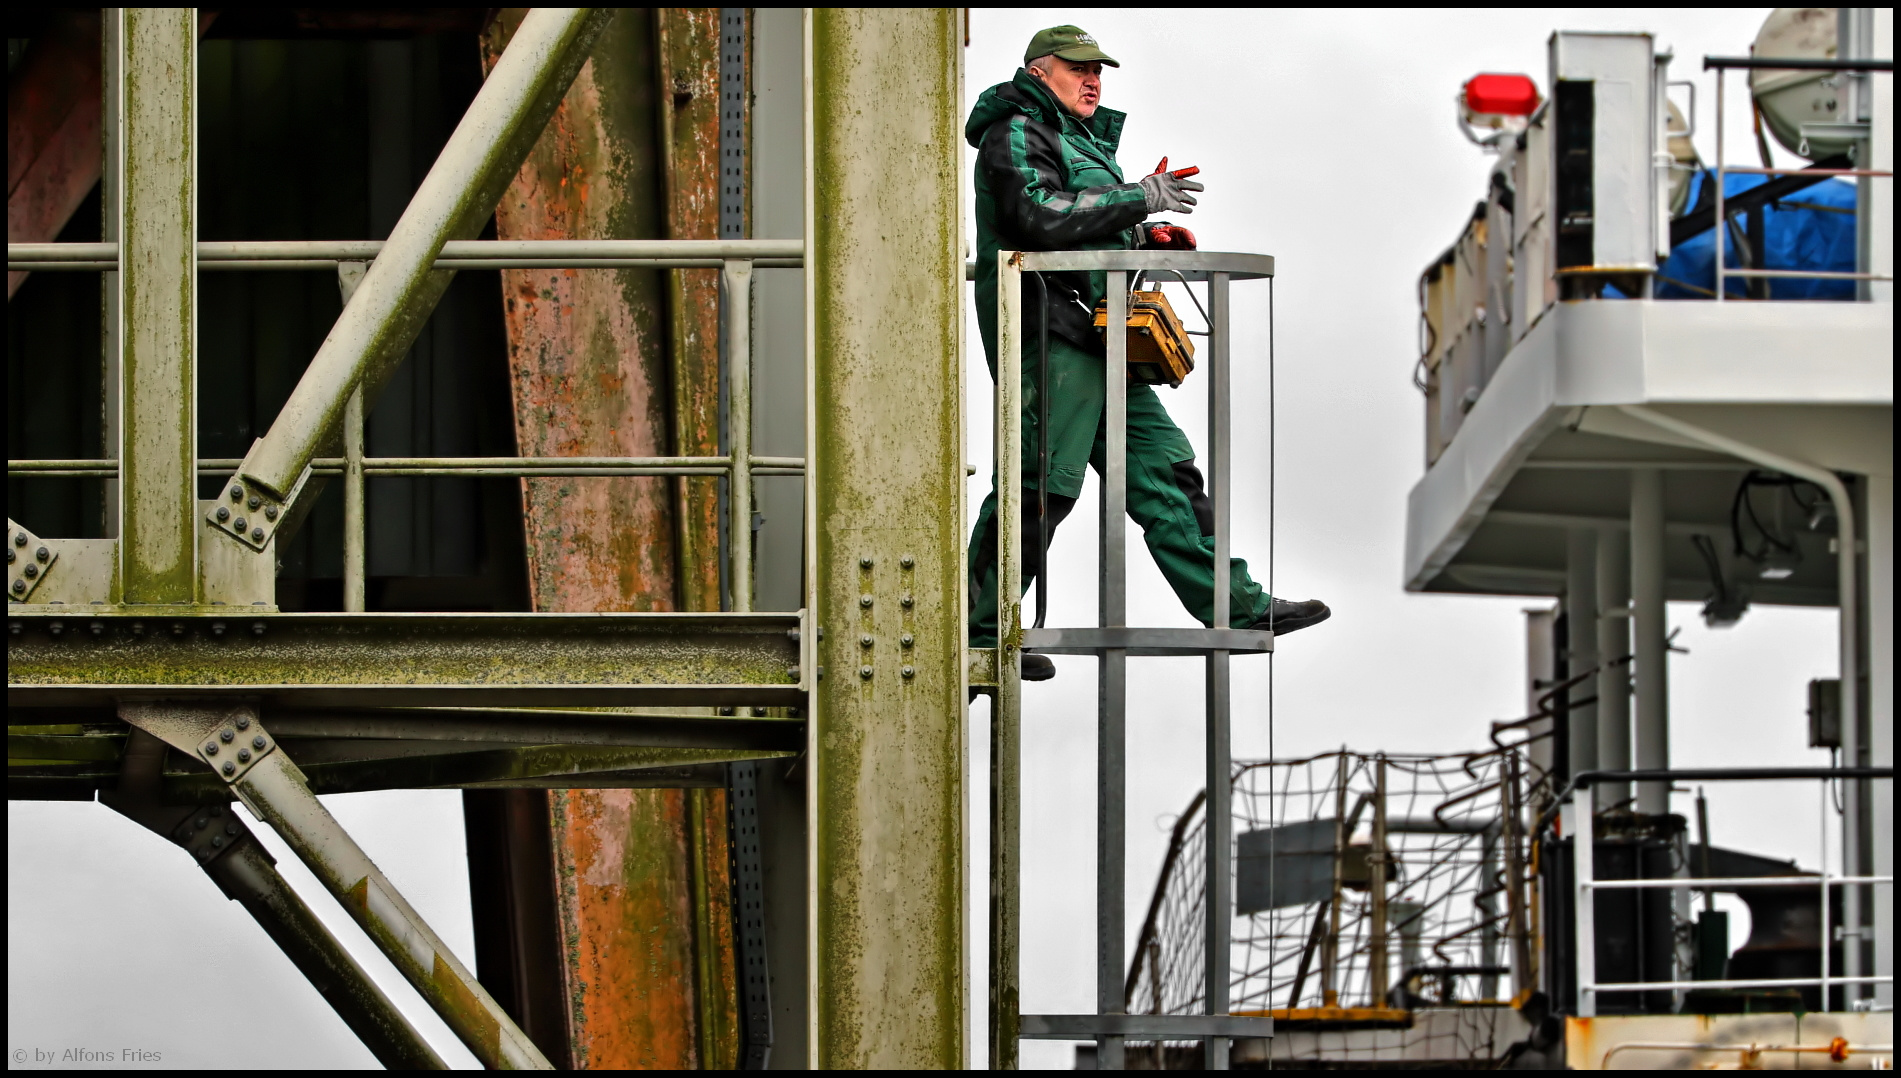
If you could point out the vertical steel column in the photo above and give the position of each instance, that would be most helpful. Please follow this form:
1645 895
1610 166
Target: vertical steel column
1330 947
1651 651
1584 901
1722 216
1580 612
735 311
1517 924
1377 972
1112 676
355 546
1006 713
111 101
1613 672
885 528
157 171
1220 893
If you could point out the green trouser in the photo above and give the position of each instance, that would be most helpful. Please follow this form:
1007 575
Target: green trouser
1164 493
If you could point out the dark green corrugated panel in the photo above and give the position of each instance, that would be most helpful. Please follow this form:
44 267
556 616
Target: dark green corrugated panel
315 139
53 400
304 139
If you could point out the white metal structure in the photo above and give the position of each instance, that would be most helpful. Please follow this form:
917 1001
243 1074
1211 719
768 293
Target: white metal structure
1577 446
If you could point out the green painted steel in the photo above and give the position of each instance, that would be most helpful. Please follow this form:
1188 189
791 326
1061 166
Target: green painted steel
884 293
1006 712
157 173
418 660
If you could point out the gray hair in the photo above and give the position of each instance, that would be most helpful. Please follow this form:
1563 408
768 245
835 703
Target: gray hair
1045 63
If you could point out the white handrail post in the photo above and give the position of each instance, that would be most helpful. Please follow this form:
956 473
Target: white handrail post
1584 901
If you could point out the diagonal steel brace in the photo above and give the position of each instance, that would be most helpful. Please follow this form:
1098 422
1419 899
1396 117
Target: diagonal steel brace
220 842
230 739
383 317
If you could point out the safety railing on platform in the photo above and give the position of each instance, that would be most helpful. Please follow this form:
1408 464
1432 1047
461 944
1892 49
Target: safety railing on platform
1723 65
1577 818
1113 640
349 259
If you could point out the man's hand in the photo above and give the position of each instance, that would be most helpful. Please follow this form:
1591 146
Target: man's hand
1168 193
1169 237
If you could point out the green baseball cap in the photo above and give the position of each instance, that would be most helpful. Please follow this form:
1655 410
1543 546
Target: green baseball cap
1066 43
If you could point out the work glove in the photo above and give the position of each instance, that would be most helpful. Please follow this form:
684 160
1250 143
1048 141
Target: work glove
1168 237
1168 193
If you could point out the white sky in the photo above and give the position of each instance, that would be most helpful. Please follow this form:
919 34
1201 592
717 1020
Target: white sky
1326 138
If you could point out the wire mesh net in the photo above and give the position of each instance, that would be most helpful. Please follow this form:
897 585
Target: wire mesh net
1313 839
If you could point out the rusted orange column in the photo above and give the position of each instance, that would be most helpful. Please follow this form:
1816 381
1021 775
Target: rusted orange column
688 74
642 896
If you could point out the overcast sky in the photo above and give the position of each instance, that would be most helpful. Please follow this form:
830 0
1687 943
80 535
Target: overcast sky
1326 139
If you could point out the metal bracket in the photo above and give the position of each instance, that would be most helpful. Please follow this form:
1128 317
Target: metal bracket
28 560
250 514
212 830
228 738
236 746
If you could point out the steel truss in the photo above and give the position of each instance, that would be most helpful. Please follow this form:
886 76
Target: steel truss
154 670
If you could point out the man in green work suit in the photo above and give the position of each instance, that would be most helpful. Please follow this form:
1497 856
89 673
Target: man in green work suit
1047 180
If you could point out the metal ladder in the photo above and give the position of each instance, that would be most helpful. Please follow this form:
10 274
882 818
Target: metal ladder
1114 641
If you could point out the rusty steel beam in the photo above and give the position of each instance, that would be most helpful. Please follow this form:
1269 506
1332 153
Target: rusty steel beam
53 131
601 363
587 353
687 48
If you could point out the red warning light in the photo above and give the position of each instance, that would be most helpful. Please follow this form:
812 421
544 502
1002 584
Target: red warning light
1501 95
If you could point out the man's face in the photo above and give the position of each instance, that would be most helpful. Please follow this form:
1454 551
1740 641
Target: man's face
1076 85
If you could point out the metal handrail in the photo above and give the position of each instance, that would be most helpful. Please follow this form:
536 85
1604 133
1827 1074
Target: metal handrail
1114 640
1577 799
736 259
1722 65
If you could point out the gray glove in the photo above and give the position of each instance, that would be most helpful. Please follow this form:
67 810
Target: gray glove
1168 193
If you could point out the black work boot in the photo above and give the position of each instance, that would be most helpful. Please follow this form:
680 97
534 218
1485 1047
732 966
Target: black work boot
1037 667
1286 617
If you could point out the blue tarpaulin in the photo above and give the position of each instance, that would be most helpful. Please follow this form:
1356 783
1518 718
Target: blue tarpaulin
1812 229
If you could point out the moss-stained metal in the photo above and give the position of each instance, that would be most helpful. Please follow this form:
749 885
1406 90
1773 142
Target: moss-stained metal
158 287
274 790
587 348
714 956
404 659
687 47
884 294
604 364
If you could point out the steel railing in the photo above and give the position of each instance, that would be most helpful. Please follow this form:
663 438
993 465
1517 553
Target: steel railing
736 259
1114 641
1723 65
1577 819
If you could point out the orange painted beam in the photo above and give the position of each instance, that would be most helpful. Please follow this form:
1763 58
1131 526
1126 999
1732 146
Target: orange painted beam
624 363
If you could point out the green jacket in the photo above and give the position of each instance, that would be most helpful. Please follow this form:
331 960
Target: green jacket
1047 181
